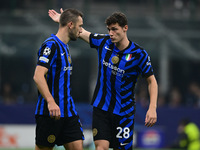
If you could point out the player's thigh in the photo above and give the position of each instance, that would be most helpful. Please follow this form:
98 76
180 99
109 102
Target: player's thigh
101 125
122 132
75 145
72 131
101 144
37 147
47 131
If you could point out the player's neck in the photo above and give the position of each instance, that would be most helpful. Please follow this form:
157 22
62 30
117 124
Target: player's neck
121 45
63 36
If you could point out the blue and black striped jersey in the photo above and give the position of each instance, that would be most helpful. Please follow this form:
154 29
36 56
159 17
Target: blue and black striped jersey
117 74
54 55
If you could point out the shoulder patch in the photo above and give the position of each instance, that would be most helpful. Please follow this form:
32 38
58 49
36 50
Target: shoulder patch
47 51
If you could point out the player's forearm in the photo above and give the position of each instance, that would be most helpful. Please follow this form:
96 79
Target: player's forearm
153 92
85 35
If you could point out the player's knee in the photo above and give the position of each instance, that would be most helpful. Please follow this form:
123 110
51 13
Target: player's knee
76 145
101 148
39 147
100 145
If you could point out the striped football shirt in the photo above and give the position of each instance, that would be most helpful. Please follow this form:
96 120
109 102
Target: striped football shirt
54 55
117 74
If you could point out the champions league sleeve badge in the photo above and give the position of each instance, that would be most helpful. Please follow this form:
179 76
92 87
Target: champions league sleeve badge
47 51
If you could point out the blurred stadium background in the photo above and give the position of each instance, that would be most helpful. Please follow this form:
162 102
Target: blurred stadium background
168 29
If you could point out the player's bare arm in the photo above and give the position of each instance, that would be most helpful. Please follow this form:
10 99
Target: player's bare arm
55 16
85 35
42 86
151 115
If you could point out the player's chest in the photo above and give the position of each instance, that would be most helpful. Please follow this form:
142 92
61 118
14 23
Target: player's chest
63 62
64 58
118 63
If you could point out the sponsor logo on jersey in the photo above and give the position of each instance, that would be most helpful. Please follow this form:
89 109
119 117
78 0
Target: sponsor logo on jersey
115 70
67 68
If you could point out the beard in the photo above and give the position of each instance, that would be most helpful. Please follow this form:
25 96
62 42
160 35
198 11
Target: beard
72 35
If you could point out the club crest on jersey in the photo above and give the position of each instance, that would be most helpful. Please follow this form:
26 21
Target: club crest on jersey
47 51
51 138
115 59
69 59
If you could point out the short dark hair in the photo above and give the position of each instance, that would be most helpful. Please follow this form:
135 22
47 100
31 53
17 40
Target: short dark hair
117 17
69 15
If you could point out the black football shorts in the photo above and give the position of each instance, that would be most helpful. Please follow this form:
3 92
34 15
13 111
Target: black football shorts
50 131
118 130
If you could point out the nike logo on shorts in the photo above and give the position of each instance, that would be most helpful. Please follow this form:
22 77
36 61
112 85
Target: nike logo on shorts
122 144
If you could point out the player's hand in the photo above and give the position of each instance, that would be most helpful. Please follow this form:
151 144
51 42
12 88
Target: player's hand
54 110
151 117
55 16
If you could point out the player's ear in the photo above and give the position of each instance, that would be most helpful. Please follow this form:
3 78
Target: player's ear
125 28
70 24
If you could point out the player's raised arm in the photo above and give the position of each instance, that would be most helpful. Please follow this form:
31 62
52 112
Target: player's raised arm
55 16
85 35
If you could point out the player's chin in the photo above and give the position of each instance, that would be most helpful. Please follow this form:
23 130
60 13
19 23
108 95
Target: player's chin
74 39
114 41
77 36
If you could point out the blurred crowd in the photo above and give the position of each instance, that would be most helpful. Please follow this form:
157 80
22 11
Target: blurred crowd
185 8
173 99
10 96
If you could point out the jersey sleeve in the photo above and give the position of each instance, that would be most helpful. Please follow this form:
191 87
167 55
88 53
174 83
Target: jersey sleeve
145 64
46 54
96 39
